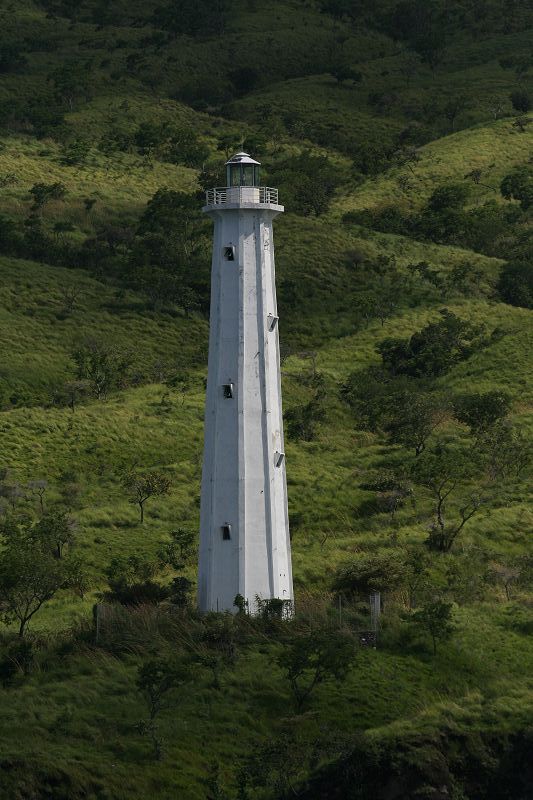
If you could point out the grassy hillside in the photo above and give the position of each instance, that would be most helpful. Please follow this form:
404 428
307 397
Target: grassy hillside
392 143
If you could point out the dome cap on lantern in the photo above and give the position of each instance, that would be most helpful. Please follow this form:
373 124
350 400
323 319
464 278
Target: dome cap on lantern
242 158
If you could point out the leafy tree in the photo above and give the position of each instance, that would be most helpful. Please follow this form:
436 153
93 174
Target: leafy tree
505 574
56 529
71 81
141 487
168 257
413 417
78 578
43 193
515 284
131 582
452 195
191 17
444 471
179 592
518 185
313 658
416 579
217 648
12 59
453 108
245 79
39 488
104 366
481 411
392 491
156 680
185 147
307 182
505 450
176 552
344 72
435 619
368 573
213 783
434 350
75 152
521 100
30 575
464 277
444 219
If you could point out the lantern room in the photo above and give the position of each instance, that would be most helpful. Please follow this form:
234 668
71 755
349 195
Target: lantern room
241 170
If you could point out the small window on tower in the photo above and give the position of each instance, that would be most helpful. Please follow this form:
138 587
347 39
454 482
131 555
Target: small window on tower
226 532
229 252
228 390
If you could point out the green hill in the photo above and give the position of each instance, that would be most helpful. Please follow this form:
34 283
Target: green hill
400 136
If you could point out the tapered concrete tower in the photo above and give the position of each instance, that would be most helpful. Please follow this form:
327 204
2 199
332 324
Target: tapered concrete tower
244 528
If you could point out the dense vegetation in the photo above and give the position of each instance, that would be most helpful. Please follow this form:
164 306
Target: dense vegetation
399 133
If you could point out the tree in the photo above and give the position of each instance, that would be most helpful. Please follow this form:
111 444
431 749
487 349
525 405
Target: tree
75 152
39 488
443 471
451 195
71 81
481 411
413 417
416 577
521 100
131 582
245 79
142 487
435 619
435 349
191 17
302 419
379 572
167 259
453 108
12 59
103 365
30 575
43 193
308 180
506 575
312 658
344 72
392 491
518 185
504 450
217 648
176 552
515 284
156 679
57 529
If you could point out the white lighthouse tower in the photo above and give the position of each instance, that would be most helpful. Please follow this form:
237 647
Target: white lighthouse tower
244 528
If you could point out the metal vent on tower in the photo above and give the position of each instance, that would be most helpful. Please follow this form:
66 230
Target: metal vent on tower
272 322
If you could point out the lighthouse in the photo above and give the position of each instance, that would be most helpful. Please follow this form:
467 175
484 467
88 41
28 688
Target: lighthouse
244 526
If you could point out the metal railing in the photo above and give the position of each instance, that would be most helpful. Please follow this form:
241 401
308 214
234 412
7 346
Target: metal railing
241 194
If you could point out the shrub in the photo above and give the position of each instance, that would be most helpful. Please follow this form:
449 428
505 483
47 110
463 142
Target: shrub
521 100
368 573
515 284
480 411
434 350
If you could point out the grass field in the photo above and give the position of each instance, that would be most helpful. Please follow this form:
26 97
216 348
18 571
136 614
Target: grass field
69 729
